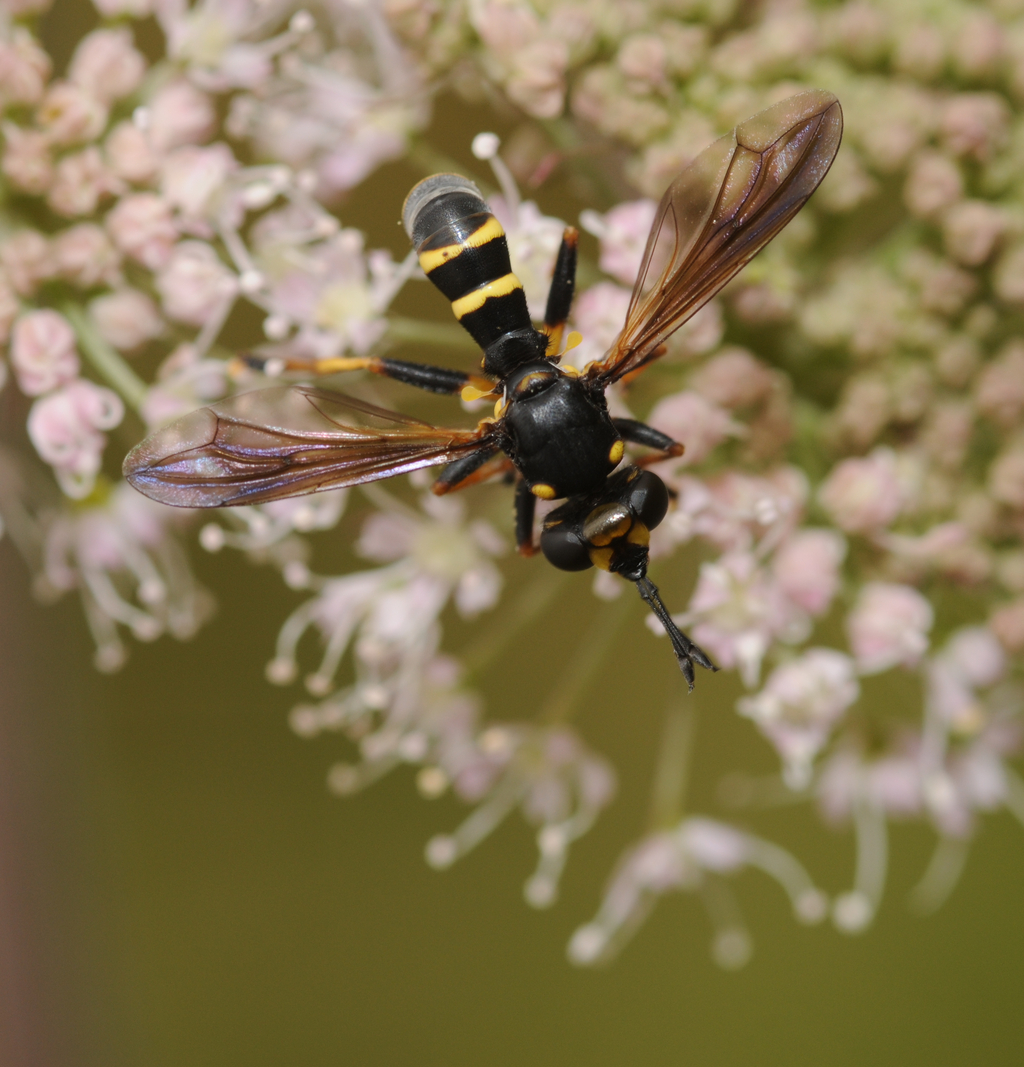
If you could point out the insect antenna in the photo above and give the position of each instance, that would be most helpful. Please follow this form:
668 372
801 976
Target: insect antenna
687 653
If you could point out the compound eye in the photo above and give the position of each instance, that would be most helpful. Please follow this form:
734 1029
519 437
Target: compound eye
564 548
648 499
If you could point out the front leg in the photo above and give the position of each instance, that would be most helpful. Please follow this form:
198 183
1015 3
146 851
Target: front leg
471 470
639 433
421 375
526 506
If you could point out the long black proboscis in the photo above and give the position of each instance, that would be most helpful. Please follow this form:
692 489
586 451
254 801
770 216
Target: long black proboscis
687 653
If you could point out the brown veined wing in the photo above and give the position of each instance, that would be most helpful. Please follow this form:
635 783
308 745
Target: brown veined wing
719 213
285 442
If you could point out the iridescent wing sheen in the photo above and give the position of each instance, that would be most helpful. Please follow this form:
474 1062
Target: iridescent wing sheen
285 442
719 213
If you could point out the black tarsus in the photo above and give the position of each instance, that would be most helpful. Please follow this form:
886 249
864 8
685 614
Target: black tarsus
687 653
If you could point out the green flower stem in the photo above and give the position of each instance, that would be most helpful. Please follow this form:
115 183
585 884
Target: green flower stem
418 331
588 658
511 620
105 360
668 790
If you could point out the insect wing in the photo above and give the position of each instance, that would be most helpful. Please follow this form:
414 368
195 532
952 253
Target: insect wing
285 442
719 213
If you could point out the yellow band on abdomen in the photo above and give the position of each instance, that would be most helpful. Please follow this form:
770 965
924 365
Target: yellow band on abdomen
475 300
437 257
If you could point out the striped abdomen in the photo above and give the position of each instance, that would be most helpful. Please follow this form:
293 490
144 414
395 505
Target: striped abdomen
463 250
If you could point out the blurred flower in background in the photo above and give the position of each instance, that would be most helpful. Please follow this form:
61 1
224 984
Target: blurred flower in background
853 483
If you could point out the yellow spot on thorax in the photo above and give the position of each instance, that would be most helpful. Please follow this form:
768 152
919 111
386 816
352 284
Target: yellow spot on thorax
545 492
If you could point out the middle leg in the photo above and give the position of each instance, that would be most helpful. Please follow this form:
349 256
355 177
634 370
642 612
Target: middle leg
639 433
421 375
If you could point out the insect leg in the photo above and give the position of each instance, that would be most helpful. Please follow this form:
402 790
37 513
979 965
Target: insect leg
686 652
421 375
526 505
471 470
639 433
563 285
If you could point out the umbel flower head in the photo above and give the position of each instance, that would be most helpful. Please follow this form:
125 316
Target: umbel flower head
846 515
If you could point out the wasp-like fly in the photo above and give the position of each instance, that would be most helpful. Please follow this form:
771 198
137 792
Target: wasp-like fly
551 430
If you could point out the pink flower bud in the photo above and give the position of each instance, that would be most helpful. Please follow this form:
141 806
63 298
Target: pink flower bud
623 235
195 283
126 318
69 115
24 68
934 183
643 57
142 227
1006 477
598 314
26 260
863 495
26 159
920 51
800 704
971 230
978 45
806 567
975 124
65 427
733 378
107 65
976 656
1007 623
504 27
20 8
130 154
43 351
136 9
81 180
9 308
84 256
537 81
180 114
999 391
699 424
889 627
1008 276
194 179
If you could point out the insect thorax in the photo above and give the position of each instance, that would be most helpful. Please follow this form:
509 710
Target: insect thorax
560 435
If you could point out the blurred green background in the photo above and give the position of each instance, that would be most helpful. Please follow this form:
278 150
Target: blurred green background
178 888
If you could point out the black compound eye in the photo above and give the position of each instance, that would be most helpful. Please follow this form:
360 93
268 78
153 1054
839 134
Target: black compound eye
648 499
564 548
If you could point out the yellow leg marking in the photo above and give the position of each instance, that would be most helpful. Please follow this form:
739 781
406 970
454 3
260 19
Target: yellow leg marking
334 366
433 258
475 300
545 492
